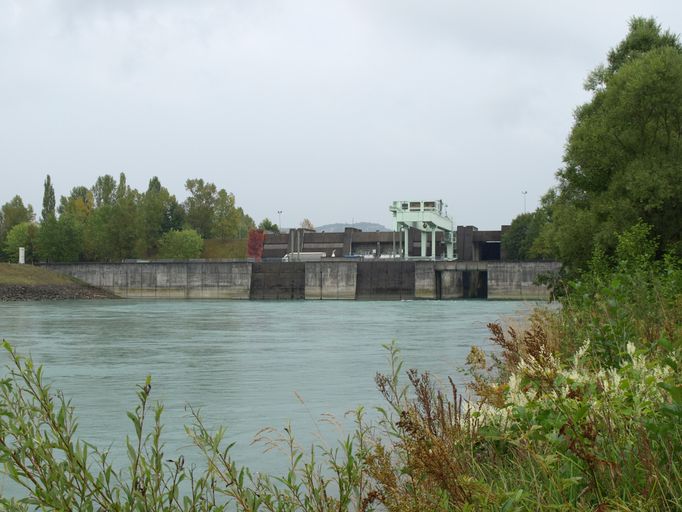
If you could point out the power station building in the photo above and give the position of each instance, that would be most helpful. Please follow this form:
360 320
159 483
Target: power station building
421 230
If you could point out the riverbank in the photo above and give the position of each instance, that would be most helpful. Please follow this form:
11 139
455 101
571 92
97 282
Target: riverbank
581 410
26 282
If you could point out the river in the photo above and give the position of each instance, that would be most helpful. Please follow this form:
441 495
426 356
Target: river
241 362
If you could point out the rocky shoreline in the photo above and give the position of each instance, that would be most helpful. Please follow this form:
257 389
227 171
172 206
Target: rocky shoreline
17 292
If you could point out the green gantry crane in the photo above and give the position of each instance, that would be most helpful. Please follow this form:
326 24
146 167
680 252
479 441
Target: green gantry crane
426 217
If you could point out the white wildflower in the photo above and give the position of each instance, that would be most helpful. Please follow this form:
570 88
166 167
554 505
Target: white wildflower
630 348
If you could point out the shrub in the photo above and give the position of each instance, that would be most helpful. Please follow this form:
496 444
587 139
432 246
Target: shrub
181 245
21 235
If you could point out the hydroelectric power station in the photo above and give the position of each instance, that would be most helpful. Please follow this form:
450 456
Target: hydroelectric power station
424 257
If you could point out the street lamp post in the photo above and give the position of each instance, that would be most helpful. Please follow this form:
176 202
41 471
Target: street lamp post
279 219
524 200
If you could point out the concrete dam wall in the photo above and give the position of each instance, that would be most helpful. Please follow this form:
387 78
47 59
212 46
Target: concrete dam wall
336 279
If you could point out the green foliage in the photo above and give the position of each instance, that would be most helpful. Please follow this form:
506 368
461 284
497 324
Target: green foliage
154 208
103 190
181 245
60 239
623 158
110 230
49 203
224 225
21 235
12 213
213 213
200 205
519 237
633 298
267 225
112 221
644 35
79 204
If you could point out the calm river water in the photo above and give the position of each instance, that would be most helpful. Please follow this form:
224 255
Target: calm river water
241 362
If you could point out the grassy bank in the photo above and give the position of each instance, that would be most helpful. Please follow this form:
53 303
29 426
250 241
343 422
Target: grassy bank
26 282
28 275
581 411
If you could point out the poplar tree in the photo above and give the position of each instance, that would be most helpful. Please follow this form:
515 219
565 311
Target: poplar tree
49 202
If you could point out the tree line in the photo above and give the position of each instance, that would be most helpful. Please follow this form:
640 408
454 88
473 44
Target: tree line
111 221
622 160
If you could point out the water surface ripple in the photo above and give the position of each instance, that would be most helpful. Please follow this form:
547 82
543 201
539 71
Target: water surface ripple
240 362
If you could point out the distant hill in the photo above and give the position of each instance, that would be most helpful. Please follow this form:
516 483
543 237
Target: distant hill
364 226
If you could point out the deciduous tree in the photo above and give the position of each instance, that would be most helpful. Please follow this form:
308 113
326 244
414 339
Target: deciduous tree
267 225
21 235
12 213
49 202
623 159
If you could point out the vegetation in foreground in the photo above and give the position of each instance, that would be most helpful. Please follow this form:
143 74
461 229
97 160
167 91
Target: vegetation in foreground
580 411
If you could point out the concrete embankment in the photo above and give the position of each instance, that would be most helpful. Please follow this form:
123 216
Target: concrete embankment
332 279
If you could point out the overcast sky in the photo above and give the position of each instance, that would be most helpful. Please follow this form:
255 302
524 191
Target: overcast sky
322 109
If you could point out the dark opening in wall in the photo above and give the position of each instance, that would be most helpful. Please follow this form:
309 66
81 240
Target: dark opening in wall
489 251
475 284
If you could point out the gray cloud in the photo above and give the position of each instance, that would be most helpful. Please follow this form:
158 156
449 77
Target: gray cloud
327 110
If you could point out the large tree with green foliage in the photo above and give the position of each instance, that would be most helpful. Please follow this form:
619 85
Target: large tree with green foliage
12 213
60 239
623 159
49 202
154 207
104 190
200 205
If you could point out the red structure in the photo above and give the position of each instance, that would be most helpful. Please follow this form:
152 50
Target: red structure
256 244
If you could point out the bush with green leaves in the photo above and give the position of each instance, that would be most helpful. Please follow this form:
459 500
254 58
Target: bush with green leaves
180 245
22 235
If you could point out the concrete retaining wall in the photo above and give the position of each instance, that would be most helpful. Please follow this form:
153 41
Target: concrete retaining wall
425 280
161 280
450 284
516 280
369 280
385 280
277 280
330 280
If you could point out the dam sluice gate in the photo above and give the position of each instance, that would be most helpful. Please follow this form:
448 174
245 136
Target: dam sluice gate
336 279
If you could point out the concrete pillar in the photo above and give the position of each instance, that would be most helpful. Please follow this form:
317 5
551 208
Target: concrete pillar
22 255
450 249
407 243
433 245
424 280
424 242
